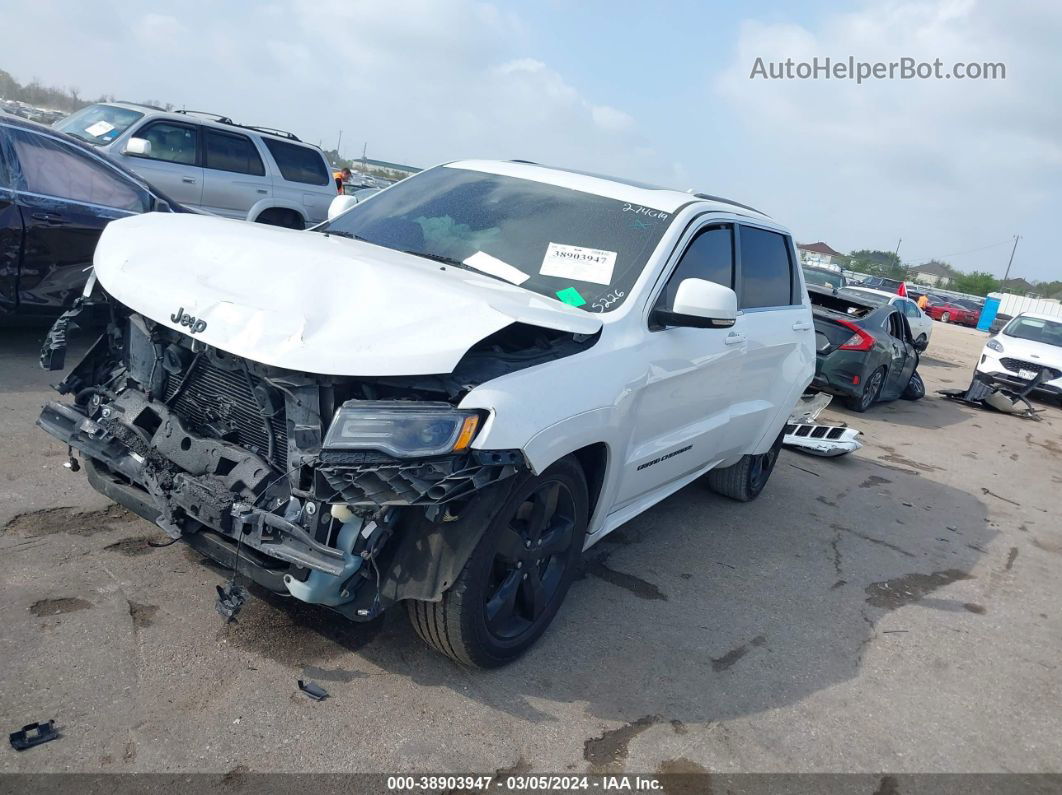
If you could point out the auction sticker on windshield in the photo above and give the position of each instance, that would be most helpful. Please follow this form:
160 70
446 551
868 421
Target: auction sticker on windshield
578 263
99 128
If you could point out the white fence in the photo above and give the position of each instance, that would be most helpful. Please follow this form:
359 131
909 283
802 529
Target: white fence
1015 304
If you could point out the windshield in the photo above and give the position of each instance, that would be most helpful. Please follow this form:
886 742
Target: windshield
823 278
580 248
98 124
1035 329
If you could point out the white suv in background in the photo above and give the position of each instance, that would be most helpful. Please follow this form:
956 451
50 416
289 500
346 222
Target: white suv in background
208 161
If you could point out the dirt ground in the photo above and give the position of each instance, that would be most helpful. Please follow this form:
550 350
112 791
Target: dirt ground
897 609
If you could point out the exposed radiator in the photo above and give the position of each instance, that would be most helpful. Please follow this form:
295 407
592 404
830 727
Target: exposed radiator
216 401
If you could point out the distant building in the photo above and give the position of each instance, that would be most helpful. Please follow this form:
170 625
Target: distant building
819 254
931 273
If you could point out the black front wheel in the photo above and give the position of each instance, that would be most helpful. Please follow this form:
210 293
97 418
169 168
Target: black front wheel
516 578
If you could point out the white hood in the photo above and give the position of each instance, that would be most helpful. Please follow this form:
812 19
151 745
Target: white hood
310 302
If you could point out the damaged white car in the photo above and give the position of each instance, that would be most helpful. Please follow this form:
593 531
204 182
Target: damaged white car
443 395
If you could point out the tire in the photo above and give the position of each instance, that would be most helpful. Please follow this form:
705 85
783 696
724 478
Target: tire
945 317
915 389
493 613
745 480
289 219
871 389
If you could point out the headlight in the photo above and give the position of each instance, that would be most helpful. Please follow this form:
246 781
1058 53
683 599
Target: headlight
994 345
405 430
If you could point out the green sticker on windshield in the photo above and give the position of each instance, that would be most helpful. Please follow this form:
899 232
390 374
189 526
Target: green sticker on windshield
570 296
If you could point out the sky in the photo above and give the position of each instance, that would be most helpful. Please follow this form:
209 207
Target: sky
660 92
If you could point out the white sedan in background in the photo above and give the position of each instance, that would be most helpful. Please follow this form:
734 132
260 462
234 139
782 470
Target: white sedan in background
921 324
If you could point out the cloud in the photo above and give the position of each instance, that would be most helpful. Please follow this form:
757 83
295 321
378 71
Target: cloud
419 81
932 160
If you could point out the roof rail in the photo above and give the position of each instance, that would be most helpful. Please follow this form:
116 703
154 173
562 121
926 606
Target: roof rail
139 104
215 116
271 131
709 197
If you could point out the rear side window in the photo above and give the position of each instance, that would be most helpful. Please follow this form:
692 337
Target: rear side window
709 256
52 168
231 152
298 163
766 269
171 142
5 172
910 309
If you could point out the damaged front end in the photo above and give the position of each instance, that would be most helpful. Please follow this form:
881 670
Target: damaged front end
353 493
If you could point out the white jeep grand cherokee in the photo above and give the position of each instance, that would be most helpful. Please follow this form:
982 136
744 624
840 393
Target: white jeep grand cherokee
441 396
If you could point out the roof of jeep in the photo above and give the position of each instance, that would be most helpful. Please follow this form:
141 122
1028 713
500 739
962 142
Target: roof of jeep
194 116
654 197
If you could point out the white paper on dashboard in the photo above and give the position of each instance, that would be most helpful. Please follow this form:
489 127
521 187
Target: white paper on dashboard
578 263
99 128
484 262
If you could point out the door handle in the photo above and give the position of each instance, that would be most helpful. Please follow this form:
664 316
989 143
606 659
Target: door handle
48 218
734 339
261 190
801 325
189 180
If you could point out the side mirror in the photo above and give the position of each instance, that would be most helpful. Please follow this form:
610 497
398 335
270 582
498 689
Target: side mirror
920 344
700 303
339 205
138 147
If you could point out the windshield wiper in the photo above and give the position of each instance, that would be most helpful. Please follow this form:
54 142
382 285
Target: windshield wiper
437 258
340 233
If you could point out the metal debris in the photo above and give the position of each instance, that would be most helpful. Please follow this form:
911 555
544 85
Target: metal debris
803 433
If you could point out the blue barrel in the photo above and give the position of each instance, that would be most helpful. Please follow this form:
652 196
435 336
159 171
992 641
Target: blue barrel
988 314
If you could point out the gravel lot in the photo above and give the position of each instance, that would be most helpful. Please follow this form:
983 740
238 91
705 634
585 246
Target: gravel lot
897 609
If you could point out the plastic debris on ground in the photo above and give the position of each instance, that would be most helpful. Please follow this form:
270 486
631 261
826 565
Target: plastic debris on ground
313 690
803 433
33 734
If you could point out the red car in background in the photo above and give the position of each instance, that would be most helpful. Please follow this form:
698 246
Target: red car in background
949 312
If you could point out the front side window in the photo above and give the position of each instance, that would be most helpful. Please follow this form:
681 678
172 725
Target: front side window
766 270
171 142
52 168
581 248
1035 329
709 256
298 163
98 124
231 152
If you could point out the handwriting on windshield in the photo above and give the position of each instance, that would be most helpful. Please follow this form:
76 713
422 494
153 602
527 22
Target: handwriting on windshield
648 212
606 302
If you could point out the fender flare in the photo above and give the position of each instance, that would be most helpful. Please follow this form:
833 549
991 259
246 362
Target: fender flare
262 205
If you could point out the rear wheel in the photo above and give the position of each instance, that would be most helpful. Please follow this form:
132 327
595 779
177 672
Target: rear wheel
945 317
278 216
745 480
871 390
513 584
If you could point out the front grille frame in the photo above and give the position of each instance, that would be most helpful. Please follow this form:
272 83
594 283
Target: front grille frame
216 400
1013 365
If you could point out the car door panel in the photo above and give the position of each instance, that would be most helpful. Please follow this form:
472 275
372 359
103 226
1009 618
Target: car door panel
899 368
234 175
173 166
64 200
10 250
682 406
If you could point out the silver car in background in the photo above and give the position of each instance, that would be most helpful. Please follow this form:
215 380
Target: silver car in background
207 161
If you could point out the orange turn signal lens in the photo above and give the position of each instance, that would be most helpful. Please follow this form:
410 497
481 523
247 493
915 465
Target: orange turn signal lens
468 430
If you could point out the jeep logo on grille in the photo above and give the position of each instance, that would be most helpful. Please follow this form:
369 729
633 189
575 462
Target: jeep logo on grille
194 324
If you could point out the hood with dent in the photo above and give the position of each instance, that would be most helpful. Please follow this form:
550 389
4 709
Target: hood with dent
310 302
